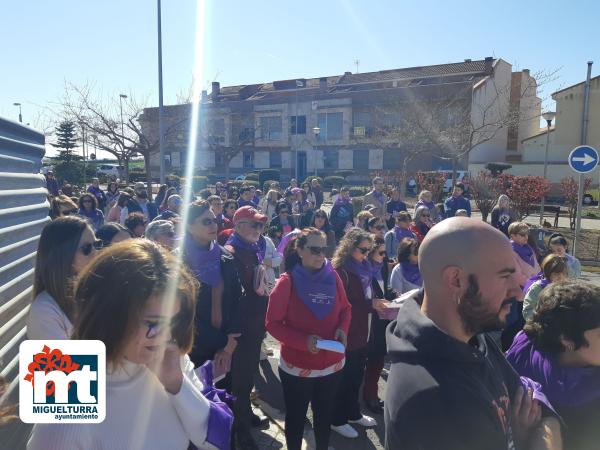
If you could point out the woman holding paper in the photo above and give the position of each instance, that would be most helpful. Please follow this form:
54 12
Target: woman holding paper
356 272
377 348
307 310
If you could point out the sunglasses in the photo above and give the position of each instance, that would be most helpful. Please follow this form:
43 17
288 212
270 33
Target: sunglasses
255 225
86 249
382 253
87 201
284 211
317 250
209 221
363 250
156 327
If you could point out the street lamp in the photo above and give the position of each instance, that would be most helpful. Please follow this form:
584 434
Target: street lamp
317 132
548 116
20 115
121 97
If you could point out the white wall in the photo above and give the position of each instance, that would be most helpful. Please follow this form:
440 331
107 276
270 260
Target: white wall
376 159
494 91
261 160
346 160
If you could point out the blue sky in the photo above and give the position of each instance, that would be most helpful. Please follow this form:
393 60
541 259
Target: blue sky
113 43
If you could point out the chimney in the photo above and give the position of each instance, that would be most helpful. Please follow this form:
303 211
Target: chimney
489 62
204 96
467 60
347 73
323 84
526 72
216 89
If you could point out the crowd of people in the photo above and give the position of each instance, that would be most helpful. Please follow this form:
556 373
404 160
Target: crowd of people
183 295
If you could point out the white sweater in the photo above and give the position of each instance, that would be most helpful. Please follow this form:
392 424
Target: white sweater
398 283
47 320
140 415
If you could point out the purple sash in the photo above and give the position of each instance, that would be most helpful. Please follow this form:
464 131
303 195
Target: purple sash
411 273
525 252
364 272
204 264
316 290
376 270
402 233
259 247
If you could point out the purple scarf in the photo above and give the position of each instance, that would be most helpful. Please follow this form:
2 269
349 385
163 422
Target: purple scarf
564 386
379 196
402 233
525 252
364 272
376 270
429 205
533 279
205 265
316 290
285 239
411 273
259 247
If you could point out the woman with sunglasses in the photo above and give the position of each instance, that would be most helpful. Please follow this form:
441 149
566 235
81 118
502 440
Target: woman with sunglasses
229 209
356 272
308 375
320 221
283 220
422 223
406 275
145 317
377 348
525 256
217 314
62 206
88 208
66 245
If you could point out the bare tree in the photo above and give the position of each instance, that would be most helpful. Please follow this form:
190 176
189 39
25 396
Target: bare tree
102 120
242 136
450 122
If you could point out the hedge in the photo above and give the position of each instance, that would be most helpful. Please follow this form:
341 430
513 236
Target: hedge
334 182
309 178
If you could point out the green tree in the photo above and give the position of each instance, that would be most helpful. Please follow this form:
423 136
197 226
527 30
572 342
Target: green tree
66 140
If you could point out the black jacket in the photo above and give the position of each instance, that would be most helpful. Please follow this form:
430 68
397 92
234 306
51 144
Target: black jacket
443 393
276 222
208 340
340 215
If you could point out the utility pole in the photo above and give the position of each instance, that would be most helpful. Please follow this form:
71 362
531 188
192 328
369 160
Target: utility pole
161 125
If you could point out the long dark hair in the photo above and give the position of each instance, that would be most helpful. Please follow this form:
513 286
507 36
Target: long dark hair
58 245
90 196
116 286
321 213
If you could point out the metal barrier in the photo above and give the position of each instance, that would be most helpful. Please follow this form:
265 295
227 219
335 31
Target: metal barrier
23 213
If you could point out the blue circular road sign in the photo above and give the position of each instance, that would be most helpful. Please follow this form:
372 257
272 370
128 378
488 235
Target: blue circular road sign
583 159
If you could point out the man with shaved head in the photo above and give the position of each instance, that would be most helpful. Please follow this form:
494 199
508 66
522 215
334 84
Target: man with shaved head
450 387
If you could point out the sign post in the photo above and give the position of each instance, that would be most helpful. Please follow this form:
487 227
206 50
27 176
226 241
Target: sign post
582 159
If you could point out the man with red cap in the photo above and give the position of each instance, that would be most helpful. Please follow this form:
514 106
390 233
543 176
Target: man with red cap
248 245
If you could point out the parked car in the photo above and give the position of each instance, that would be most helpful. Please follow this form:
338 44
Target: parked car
109 169
591 196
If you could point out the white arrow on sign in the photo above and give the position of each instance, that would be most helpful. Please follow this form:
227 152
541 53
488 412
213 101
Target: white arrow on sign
587 159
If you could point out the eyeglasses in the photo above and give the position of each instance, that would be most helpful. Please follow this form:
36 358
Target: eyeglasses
156 327
255 225
363 250
317 250
209 221
86 249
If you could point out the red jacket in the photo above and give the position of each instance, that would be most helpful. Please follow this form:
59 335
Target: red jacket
358 333
291 322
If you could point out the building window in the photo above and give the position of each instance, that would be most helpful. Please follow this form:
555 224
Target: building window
362 125
216 131
270 128
391 121
360 159
331 125
275 160
248 160
330 159
219 159
301 124
392 159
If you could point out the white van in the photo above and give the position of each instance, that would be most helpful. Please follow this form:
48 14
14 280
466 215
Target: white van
109 169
